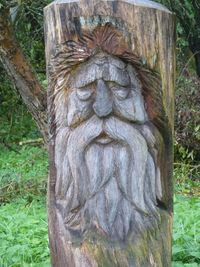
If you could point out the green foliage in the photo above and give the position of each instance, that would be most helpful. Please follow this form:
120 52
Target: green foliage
8 3
23 234
187 179
22 172
180 264
188 14
23 226
27 16
187 119
186 236
16 121
29 28
23 229
188 28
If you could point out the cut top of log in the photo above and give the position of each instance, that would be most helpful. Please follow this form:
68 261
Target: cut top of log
142 3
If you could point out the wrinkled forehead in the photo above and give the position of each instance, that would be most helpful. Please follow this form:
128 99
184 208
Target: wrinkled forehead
103 67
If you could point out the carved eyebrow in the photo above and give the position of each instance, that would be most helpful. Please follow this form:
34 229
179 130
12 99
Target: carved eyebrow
92 84
82 83
85 85
117 75
112 74
122 79
86 76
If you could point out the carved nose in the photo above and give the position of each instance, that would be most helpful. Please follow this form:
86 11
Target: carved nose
103 101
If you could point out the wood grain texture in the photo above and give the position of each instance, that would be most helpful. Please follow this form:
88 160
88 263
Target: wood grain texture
111 82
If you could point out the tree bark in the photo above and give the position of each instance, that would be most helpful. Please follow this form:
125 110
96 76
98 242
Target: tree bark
22 74
89 46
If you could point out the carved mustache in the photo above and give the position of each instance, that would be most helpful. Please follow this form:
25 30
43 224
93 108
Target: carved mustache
95 128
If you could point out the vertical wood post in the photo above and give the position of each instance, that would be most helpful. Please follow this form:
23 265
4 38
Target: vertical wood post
111 68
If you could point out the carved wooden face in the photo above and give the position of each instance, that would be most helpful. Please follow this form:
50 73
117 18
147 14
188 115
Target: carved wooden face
105 86
107 177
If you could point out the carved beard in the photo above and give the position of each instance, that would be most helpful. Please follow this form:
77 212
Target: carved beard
107 188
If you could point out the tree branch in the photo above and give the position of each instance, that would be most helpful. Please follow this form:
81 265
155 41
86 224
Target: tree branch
21 73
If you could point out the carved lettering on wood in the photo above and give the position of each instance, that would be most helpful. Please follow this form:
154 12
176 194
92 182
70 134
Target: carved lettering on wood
109 126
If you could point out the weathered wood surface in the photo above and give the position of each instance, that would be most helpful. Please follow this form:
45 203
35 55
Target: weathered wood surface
111 90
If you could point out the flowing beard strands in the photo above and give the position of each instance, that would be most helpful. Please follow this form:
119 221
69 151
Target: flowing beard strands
101 192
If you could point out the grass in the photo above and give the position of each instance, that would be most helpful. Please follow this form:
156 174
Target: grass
23 171
23 234
187 179
23 219
186 232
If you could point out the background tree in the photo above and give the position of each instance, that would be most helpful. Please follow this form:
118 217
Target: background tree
188 14
187 116
24 18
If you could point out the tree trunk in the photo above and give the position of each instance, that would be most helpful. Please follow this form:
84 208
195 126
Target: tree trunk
111 68
22 74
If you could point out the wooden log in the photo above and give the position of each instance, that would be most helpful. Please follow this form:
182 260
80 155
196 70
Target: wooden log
111 70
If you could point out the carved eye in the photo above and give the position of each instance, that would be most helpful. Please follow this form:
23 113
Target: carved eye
84 93
120 92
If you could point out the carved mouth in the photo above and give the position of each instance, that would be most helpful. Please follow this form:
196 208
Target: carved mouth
103 139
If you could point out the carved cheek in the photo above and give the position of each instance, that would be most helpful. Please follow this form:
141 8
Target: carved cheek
84 94
78 110
131 108
121 93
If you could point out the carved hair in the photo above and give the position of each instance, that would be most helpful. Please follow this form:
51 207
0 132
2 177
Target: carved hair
109 40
